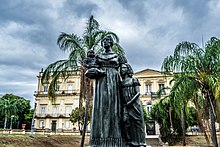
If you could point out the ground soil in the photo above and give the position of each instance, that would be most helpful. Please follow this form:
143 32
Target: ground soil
74 141
40 141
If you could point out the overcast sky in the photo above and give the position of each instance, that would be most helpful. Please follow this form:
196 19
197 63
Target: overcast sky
148 30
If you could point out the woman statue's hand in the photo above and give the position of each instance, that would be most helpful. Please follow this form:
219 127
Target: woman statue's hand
94 73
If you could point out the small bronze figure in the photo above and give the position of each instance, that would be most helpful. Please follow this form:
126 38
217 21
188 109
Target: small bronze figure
134 128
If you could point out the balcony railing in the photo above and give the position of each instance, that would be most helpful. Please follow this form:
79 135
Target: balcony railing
154 95
52 115
60 92
147 93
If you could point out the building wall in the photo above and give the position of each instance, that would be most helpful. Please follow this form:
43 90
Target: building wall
156 80
151 81
68 98
49 113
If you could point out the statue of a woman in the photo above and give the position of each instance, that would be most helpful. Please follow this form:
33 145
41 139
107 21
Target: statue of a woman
133 121
106 113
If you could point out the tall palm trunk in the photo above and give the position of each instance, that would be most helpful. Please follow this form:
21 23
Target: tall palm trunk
213 120
199 118
184 124
88 95
170 117
82 92
32 121
82 86
5 123
218 113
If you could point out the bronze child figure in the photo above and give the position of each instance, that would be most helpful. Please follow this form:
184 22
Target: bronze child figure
133 122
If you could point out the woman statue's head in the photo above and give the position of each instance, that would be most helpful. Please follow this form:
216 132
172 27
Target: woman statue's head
107 41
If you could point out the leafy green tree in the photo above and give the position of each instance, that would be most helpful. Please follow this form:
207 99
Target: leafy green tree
201 67
168 115
191 116
77 116
181 93
24 107
160 113
14 105
177 105
28 119
8 107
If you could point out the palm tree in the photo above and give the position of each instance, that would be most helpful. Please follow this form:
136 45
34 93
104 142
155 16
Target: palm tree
200 66
161 114
200 111
8 107
78 47
181 93
175 107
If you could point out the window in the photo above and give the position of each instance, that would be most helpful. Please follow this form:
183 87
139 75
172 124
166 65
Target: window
68 110
57 88
70 88
148 89
67 124
148 107
43 111
45 88
41 124
55 110
162 88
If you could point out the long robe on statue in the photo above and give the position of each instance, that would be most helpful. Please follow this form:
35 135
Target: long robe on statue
106 113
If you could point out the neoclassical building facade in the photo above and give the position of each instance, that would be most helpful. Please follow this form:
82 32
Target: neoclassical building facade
55 116
151 82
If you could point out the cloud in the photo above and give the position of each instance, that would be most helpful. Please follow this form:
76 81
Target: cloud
148 31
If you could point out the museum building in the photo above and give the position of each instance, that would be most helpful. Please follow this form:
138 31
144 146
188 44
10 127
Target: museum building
54 116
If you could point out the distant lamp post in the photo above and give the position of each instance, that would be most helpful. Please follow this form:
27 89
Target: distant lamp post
62 126
11 121
32 122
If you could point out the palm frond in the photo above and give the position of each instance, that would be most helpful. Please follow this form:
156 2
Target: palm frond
92 25
61 66
56 70
167 65
68 42
91 29
78 55
186 48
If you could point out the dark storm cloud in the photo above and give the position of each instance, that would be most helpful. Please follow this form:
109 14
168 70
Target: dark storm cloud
194 8
148 30
135 7
30 14
78 8
21 11
28 43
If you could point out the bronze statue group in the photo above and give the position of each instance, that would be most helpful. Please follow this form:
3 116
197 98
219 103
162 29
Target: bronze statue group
117 116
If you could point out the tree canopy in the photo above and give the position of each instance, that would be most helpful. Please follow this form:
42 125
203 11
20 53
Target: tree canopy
77 47
199 70
14 105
